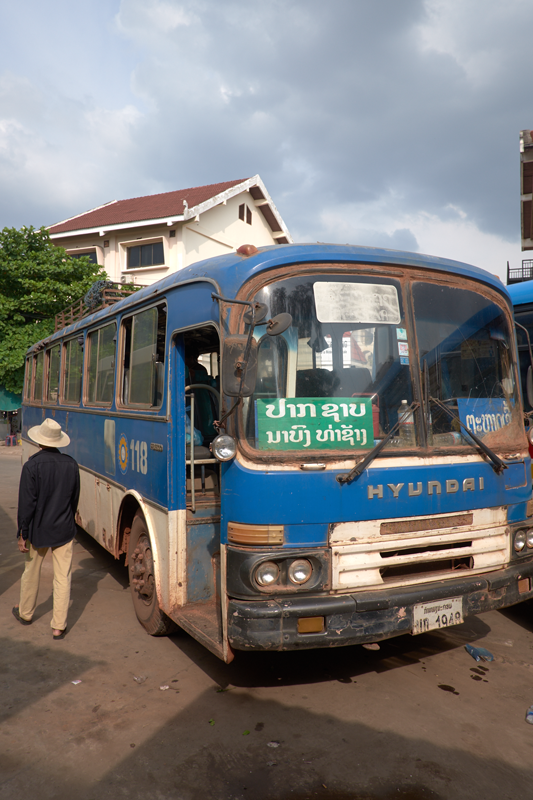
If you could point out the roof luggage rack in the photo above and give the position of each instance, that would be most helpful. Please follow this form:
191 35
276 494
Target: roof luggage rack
100 295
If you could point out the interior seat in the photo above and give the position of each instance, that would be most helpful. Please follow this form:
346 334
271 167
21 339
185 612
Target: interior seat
354 381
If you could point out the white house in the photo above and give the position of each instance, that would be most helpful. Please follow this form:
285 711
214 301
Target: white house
143 239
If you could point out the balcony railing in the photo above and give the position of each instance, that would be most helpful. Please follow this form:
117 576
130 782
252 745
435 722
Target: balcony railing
519 274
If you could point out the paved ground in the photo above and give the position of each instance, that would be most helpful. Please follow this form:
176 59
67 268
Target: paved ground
419 719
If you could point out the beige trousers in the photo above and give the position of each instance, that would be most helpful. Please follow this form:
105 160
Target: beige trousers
29 585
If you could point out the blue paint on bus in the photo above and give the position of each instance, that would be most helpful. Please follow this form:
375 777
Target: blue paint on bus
317 498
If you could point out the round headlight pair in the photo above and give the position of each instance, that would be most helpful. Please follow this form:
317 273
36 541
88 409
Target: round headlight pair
523 538
299 572
224 447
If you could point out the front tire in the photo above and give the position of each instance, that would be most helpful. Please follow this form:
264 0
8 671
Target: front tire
141 573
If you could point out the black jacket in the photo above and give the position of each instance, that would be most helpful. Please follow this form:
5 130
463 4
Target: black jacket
48 498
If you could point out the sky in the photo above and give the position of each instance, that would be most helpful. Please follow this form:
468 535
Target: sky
391 123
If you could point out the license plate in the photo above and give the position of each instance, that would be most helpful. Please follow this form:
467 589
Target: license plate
439 614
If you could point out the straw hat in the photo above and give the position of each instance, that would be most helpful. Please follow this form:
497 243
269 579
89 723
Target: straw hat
49 434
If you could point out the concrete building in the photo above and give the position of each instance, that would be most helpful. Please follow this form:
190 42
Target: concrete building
525 272
143 239
526 188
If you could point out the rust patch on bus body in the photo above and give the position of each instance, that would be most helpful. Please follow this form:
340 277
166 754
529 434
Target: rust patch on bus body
430 524
108 541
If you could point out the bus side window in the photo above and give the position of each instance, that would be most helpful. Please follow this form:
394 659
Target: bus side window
524 318
72 371
143 361
101 364
38 380
27 382
52 373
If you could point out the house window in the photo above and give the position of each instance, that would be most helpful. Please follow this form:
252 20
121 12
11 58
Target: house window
52 383
90 255
146 255
73 367
245 214
101 364
143 342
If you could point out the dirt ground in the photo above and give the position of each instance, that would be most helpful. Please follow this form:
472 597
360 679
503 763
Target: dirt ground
417 719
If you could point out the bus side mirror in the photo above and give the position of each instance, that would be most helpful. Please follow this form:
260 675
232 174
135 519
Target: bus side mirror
529 386
233 366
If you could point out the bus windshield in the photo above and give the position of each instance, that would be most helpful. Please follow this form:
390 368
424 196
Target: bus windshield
350 366
466 361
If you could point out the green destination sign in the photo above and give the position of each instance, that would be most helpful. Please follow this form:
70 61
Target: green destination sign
317 423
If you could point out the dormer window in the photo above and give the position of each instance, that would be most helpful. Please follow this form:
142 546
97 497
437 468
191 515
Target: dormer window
245 215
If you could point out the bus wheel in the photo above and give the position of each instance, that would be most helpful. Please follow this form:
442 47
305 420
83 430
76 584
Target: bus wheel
142 581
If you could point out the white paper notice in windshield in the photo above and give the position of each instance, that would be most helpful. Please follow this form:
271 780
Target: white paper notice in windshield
373 303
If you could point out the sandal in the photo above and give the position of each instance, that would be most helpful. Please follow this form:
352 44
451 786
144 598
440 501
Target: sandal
60 635
15 612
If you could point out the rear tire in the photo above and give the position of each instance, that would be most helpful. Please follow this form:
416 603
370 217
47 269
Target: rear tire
142 581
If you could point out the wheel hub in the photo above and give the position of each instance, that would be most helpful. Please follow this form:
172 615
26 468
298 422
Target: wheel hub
142 570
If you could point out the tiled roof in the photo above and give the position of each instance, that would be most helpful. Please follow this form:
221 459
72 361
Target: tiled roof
155 206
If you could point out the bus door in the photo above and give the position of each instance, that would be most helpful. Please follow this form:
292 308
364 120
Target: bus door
198 485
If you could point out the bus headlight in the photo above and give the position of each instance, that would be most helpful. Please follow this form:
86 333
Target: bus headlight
300 571
519 541
529 537
224 447
267 573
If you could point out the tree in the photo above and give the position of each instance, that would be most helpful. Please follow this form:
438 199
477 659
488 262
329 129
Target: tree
37 280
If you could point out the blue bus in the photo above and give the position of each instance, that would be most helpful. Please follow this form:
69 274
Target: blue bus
300 446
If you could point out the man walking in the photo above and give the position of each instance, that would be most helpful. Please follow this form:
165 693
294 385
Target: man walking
48 498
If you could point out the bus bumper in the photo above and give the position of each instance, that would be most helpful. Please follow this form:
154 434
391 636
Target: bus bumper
369 616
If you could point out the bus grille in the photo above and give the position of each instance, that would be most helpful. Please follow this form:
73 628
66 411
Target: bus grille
363 557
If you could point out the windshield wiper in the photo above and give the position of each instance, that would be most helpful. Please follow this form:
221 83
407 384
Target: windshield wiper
497 463
359 468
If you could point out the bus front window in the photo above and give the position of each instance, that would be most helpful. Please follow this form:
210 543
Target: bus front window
337 377
467 363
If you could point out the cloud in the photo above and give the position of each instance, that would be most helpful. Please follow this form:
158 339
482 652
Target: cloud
385 224
157 19
394 121
371 100
47 174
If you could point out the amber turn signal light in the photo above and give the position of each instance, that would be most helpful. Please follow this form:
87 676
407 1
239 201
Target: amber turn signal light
241 533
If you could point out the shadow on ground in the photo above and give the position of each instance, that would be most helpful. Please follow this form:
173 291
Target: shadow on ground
28 673
343 664
521 614
233 746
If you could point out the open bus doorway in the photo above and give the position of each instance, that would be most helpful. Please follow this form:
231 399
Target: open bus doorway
200 613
